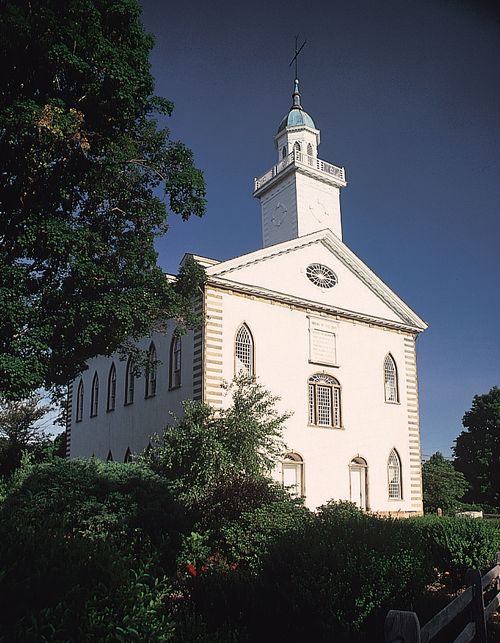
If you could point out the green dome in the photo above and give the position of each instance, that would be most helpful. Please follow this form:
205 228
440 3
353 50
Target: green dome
297 116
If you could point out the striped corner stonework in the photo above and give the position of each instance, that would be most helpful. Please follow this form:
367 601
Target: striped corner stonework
212 348
198 354
413 422
69 414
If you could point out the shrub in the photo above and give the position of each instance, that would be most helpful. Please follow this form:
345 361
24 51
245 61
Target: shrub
76 533
455 544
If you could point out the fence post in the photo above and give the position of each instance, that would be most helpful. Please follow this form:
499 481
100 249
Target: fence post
401 627
473 578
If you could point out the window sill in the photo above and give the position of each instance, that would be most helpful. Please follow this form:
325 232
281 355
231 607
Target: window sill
328 428
395 499
94 415
128 403
391 402
78 421
110 410
148 397
173 388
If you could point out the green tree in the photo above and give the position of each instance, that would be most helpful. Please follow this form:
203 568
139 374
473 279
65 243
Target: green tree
443 485
477 449
209 447
20 432
87 177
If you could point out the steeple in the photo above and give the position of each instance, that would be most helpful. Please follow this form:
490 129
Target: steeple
301 193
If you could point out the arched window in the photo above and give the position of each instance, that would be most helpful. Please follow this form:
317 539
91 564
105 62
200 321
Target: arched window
358 480
175 362
128 455
129 382
390 379
394 476
79 402
110 456
283 152
296 147
244 351
309 149
324 401
292 474
151 372
94 401
111 388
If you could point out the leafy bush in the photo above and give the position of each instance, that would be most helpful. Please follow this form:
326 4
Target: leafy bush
456 544
75 534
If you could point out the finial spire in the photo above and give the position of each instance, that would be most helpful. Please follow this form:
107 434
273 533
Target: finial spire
297 52
296 95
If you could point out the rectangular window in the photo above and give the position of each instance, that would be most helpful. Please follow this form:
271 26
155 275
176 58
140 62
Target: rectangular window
324 405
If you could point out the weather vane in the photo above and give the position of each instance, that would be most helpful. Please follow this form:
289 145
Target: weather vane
297 52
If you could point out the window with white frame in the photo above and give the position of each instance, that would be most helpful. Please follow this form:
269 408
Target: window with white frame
390 379
129 382
324 401
292 474
111 389
79 402
151 368
394 476
175 362
94 400
244 352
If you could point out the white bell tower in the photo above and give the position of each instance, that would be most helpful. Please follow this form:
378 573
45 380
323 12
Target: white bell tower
301 193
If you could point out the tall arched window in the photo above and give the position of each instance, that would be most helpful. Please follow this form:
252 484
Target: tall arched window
292 474
110 456
324 401
79 402
244 351
283 152
129 382
94 401
151 371
111 388
394 476
296 147
309 149
128 455
175 362
390 379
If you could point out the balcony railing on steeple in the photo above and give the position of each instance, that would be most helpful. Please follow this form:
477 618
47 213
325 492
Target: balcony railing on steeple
301 159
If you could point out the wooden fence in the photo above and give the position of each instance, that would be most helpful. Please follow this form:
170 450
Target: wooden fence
404 627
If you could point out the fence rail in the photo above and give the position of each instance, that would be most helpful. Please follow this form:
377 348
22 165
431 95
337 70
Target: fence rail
404 627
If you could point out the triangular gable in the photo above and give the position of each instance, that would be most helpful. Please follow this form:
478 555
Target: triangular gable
281 269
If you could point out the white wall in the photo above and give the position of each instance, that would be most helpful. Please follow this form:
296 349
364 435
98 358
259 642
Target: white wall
371 427
129 426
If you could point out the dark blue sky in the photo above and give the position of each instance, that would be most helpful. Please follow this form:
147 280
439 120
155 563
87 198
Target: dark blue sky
407 97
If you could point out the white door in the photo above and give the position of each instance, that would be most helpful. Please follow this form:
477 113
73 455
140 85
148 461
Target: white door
358 485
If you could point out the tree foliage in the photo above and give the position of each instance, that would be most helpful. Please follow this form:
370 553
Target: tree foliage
210 446
20 432
444 486
86 178
477 449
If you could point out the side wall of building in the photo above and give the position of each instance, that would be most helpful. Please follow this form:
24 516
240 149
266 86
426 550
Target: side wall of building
129 426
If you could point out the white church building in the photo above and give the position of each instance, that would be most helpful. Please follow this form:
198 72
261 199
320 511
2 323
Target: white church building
311 322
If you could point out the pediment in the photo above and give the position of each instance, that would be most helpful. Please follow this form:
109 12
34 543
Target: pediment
281 271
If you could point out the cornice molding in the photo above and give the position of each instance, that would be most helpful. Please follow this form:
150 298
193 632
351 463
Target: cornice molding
307 305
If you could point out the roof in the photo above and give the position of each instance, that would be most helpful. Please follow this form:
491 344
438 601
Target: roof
297 115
